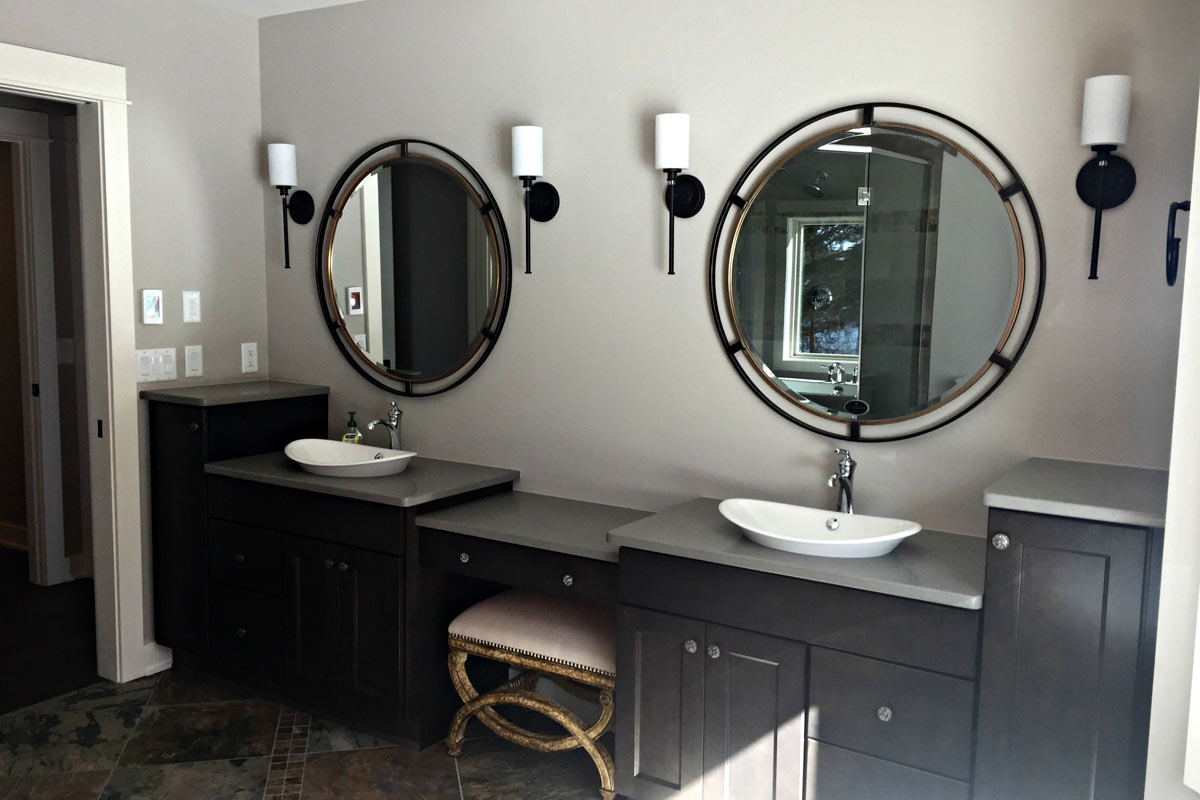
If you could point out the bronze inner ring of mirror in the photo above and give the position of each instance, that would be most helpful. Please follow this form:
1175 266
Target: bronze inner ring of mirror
742 342
399 381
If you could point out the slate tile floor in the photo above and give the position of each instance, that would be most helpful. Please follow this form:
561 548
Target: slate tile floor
184 736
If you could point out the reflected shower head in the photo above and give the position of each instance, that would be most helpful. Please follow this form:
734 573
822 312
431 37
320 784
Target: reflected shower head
814 189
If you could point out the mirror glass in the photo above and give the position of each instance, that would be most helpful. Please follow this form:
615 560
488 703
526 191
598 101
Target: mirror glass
874 272
414 268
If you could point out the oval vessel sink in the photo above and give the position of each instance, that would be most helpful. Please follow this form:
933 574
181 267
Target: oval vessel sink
345 460
815 531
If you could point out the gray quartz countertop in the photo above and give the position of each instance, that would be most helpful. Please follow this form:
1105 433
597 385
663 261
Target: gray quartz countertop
425 480
224 394
565 526
936 567
1082 490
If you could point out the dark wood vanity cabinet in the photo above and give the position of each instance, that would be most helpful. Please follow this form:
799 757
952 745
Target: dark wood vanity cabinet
735 684
1068 638
343 627
183 438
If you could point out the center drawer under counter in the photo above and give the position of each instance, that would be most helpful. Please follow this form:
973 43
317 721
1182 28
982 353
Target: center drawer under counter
911 716
537 570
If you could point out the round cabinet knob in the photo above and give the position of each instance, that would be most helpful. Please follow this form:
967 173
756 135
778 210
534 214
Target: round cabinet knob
239 558
690 645
714 651
568 580
1001 541
884 713
195 426
241 633
328 563
464 557
342 567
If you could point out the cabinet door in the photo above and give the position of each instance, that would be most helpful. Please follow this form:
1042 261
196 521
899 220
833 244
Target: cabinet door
177 456
310 580
1057 704
371 629
754 716
660 705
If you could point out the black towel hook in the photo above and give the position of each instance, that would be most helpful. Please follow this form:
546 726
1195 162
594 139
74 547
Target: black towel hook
1173 242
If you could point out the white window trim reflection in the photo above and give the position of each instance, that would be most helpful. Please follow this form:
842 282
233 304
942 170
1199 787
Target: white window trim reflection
793 283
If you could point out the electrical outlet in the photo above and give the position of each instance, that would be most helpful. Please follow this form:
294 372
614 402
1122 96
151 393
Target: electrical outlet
193 361
249 356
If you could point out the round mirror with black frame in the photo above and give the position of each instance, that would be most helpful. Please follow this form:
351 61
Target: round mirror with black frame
414 267
876 271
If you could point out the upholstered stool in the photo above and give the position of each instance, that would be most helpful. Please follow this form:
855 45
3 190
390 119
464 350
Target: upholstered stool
570 643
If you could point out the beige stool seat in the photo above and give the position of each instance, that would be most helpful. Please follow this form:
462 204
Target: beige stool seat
570 643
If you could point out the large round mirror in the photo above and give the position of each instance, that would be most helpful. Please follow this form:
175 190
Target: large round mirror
881 272
413 267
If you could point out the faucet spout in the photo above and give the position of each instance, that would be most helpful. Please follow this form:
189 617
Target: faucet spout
843 481
392 423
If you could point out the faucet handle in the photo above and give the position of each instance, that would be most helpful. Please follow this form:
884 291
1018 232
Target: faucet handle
394 413
832 480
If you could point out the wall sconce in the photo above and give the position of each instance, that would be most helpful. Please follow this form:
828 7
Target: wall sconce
1107 180
541 199
281 170
685 193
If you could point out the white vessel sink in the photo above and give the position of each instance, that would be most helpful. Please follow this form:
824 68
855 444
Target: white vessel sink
814 531
345 460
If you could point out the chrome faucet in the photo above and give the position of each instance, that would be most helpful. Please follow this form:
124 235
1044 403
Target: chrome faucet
843 481
392 423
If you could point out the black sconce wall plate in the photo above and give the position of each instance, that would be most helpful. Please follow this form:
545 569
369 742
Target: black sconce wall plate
1105 182
689 196
543 201
300 207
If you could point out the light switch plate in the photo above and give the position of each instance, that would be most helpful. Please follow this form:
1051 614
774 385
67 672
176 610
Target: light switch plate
193 361
191 306
249 356
156 365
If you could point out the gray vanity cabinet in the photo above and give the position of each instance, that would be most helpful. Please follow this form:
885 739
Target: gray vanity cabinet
660 706
713 712
1067 653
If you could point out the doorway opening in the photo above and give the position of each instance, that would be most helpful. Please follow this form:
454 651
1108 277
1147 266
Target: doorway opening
47 606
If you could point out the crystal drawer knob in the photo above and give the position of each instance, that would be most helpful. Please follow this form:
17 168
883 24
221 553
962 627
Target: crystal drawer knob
241 633
690 646
464 557
239 558
328 563
195 426
1001 541
714 651
884 713
568 580
342 567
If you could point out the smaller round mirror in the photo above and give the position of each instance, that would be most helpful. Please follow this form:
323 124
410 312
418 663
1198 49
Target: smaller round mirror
413 267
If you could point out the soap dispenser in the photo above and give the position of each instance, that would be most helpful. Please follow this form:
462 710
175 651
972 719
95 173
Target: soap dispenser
352 434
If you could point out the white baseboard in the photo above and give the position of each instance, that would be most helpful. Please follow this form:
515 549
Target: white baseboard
14 537
158 659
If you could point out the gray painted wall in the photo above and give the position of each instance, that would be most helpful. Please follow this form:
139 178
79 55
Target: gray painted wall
608 382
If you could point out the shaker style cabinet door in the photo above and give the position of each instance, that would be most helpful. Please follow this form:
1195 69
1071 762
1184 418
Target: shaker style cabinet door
310 605
1058 701
660 705
372 627
754 716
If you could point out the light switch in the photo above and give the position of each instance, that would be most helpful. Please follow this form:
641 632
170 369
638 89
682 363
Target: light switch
191 306
249 356
143 362
169 371
193 361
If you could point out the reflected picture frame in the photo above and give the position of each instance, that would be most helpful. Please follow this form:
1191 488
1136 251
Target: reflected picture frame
354 300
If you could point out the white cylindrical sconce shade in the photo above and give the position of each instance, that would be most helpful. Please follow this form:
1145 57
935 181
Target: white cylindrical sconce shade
671 140
281 164
527 151
1106 101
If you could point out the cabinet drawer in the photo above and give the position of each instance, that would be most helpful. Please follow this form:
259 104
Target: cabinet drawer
245 557
245 630
837 774
524 567
898 713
